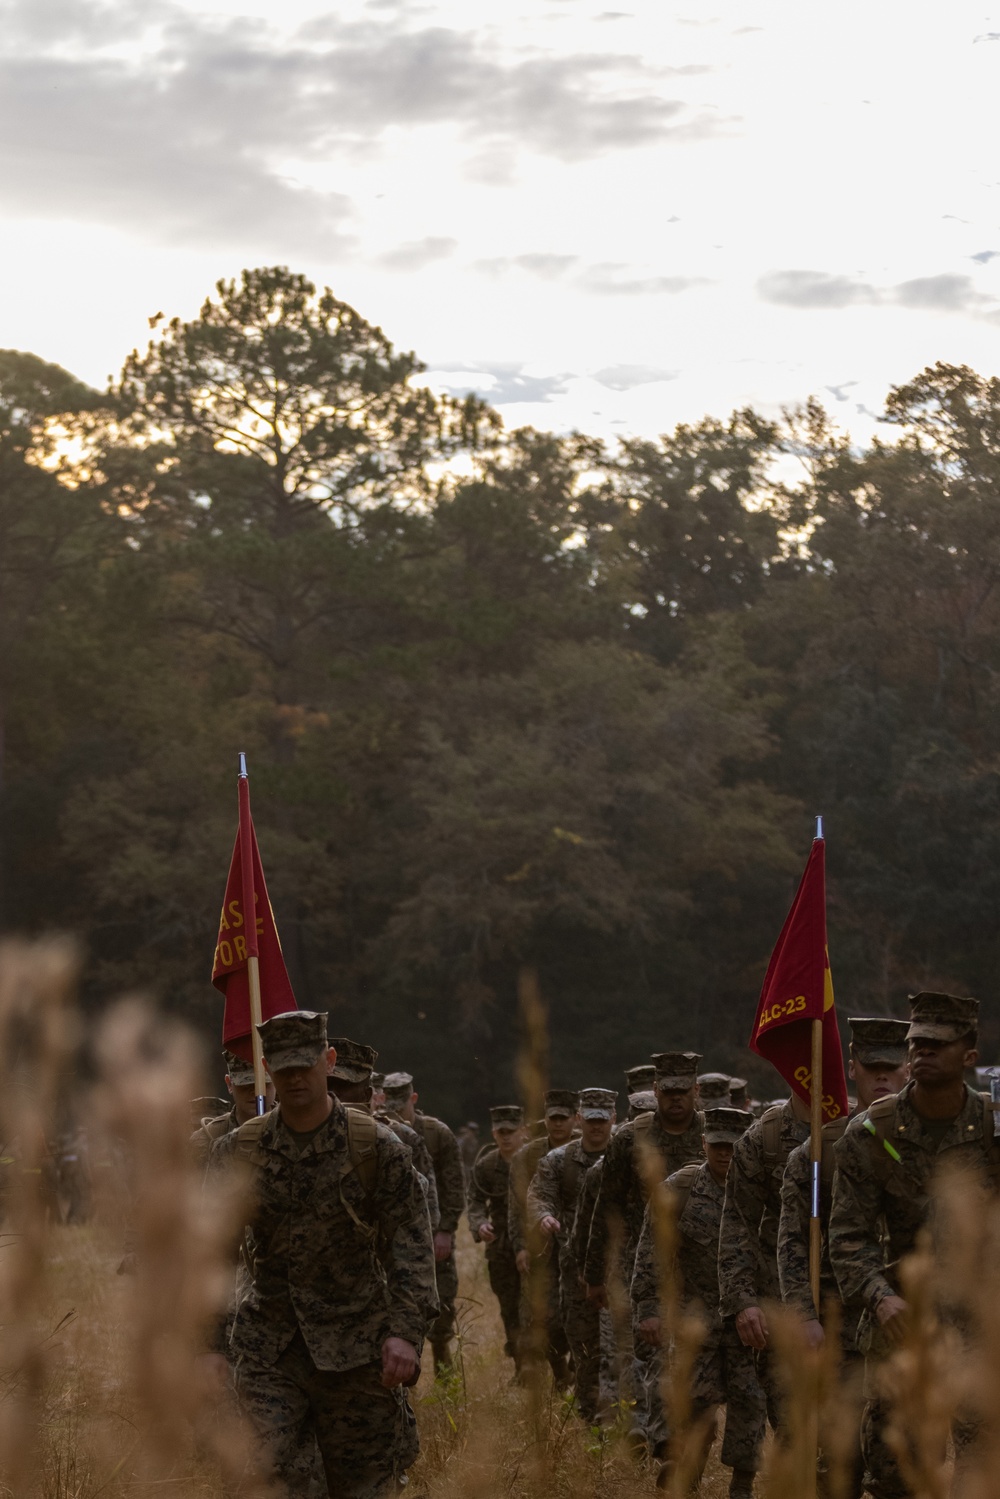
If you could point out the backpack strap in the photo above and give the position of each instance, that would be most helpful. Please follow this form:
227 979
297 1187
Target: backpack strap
681 1182
774 1152
248 1140
880 1124
362 1137
831 1133
572 1170
993 1143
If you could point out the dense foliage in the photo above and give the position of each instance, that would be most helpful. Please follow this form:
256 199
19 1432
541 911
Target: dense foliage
507 697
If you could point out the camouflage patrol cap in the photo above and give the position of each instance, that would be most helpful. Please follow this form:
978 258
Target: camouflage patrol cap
676 1071
561 1103
397 1086
876 1039
738 1092
941 1017
597 1103
642 1102
296 1038
354 1060
638 1079
723 1126
240 1072
713 1087
507 1116
377 1079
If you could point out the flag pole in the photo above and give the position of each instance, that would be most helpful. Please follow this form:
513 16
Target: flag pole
250 931
816 1145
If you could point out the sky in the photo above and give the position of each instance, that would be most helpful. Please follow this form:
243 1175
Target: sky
612 220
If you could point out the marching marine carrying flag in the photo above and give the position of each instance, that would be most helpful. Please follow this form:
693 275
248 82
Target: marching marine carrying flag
798 989
239 941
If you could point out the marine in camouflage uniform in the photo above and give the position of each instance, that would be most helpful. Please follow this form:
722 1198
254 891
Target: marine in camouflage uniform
723 1372
543 1334
449 1174
748 1238
553 1197
667 1140
327 1315
887 1161
487 1212
241 1089
878 1068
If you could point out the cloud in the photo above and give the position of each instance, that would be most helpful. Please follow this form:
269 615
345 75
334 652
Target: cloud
628 376
501 384
417 253
985 256
611 279
190 127
546 267
839 392
813 289
946 292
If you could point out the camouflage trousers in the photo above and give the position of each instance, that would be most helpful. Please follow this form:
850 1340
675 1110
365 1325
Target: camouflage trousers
366 1435
723 1373
505 1283
542 1333
582 1323
443 1327
883 1478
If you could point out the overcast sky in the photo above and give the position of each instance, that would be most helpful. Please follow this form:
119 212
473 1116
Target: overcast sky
611 219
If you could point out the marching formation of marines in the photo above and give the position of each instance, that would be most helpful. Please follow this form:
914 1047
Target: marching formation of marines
636 1265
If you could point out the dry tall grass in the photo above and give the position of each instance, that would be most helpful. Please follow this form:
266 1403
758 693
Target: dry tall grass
101 1395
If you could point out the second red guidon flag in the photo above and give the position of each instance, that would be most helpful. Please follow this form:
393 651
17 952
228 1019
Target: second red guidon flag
798 989
236 945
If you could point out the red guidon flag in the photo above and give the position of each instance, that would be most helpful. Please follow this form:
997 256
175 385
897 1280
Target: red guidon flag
238 942
798 989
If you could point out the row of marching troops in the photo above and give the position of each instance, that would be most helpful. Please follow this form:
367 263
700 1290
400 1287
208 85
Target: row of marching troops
347 1249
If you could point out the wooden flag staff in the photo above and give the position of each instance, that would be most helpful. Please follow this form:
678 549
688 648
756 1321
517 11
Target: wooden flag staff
250 931
816 1145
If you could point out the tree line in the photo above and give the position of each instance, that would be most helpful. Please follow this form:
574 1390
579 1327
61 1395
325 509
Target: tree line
508 697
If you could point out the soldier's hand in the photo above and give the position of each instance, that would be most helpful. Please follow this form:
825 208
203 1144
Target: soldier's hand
523 1261
649 1331
812 1332
751 1324
444 1243
891 1313
399 1362
486 1233
598 1295
548 1224
215 1371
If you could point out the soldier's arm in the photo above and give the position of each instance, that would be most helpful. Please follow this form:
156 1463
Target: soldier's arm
424 1164
741 1215
450 1180
479 1210
517 1192
544 1197
855 1245
609 1207
405 1228
645 1301
793 1235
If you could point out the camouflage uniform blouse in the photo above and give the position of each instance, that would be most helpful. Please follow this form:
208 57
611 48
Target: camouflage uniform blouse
488 1186
312 1234
446 1159
556 1190
880 1205
623 1193
696 1260
748 1239
793 1236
